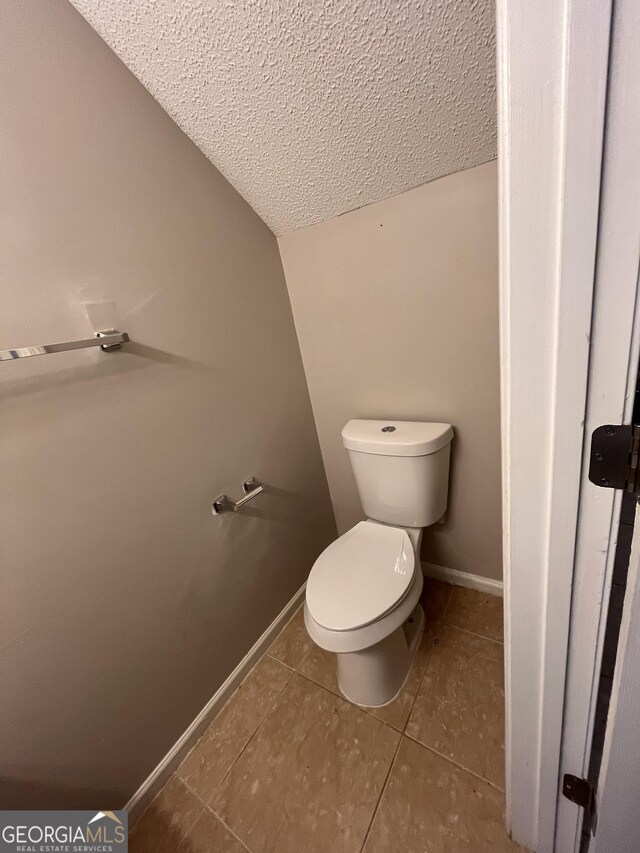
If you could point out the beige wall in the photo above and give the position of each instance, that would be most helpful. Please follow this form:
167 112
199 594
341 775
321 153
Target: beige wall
396 309
123 603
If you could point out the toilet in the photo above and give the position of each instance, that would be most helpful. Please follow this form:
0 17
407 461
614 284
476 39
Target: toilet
363 593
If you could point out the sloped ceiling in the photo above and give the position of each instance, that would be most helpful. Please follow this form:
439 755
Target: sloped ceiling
314 107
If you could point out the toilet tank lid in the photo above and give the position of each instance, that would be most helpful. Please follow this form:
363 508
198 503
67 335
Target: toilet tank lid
396 438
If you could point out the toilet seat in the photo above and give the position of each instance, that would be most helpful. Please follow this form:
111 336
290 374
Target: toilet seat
360 577
344 642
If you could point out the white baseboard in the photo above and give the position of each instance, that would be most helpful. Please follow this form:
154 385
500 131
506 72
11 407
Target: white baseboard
454 576
157 778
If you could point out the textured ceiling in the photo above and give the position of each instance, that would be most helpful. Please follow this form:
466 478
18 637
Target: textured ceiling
314 107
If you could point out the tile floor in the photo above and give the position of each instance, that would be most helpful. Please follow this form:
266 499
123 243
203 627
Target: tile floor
289 766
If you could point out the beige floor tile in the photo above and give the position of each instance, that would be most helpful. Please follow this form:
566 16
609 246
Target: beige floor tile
209 835
206 765
310 778
475 611
293 642
459 709
320 666
434 598
166 822
397 713
431 806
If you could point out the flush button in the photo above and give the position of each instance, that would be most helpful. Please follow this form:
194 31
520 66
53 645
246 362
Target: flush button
388 429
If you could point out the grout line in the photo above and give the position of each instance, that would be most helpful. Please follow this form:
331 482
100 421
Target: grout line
211 722
266 714
305 656
424 672
262 719
132 829
370 711
338 695
228 828
473 633
446 607
367 711
382 789
329 689
188 788
277 660
275 640
443 619
207 807
294 670
193 793
455 763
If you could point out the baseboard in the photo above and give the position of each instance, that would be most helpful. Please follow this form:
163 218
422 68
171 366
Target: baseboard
157 778
455 576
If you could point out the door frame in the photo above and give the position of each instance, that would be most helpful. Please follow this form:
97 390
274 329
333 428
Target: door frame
615 348
552 81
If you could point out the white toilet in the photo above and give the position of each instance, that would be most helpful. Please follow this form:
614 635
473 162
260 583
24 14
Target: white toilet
363 590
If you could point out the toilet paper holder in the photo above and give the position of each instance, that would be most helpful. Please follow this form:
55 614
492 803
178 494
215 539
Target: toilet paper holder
251 488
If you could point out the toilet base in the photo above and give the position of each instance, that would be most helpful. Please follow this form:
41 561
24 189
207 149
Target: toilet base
373 677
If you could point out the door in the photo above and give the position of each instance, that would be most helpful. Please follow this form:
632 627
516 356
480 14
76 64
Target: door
618 791
611 391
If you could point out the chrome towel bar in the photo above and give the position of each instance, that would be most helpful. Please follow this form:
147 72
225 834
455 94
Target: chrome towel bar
107 340
251 488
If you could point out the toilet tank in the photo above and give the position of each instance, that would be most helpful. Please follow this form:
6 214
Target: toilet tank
401 469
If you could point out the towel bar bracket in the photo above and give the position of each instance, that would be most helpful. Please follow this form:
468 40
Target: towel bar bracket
112 333
107 340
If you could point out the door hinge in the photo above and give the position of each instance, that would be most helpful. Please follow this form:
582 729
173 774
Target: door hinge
582 793
615 457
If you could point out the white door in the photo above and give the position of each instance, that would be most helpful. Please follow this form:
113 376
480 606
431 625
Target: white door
611 390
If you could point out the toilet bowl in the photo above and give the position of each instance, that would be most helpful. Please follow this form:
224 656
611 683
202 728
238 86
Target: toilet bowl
363 592
362 603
